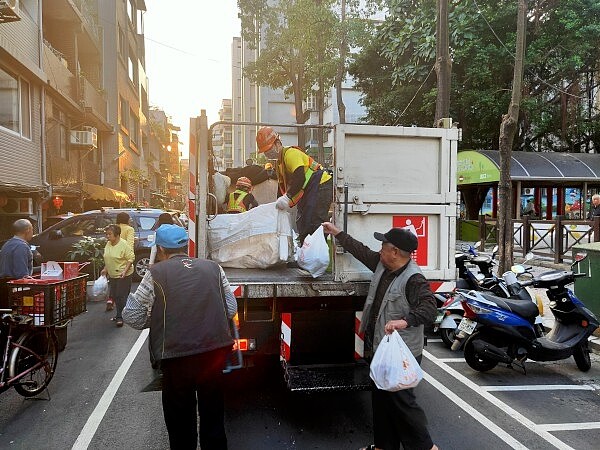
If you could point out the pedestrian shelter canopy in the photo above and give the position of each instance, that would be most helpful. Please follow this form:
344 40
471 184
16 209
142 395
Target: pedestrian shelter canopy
548 177
533 168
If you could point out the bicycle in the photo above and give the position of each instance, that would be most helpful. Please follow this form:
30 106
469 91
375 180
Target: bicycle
30 354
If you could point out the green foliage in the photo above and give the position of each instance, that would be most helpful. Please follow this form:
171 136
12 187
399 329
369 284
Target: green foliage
298 42
91 250
394 70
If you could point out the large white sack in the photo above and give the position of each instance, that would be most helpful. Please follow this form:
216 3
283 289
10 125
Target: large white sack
256 239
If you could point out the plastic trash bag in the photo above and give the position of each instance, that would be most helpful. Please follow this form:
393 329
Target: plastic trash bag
313 256
100 289
394 367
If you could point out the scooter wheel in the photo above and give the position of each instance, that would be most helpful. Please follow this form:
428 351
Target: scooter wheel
474 360
581 354
448 335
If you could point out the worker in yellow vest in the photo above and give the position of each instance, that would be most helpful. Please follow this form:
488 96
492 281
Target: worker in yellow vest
241 200
302 181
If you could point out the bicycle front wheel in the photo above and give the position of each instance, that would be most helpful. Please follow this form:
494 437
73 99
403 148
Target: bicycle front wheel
38 354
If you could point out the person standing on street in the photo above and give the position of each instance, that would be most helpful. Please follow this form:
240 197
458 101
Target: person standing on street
16 258
399 298
595 210
127 235
187 303
118 267
302 181
163 219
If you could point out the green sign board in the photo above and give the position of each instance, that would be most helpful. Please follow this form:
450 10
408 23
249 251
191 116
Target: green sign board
475 168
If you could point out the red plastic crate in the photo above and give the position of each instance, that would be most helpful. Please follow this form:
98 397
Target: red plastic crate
48 301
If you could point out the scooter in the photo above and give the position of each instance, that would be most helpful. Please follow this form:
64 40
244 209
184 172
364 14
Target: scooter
503 330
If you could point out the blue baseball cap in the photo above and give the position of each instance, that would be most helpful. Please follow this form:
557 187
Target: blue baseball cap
171 236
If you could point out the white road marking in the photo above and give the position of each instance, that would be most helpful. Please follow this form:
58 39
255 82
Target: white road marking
499 404
569 426
539 387
451 360
487 423
91 426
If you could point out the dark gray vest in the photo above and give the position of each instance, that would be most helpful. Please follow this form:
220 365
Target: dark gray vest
188 315
394 306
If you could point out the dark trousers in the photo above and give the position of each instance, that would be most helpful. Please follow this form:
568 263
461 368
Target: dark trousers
398 419
190 382
119 289
313 209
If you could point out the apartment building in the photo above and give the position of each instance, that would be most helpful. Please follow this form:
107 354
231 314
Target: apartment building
73 107
126 166
168 190
222 138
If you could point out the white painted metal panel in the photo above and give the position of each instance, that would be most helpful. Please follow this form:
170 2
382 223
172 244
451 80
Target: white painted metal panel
397 176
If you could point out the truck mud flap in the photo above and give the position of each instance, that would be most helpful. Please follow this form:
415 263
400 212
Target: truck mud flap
335 377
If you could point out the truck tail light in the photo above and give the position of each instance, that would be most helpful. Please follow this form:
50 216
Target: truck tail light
244 345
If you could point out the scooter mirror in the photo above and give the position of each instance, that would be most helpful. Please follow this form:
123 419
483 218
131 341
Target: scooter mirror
477 245
529 256
517 269
495 249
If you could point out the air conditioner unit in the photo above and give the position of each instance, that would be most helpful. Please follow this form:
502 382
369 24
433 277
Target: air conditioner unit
528 191
87 138
9 11
17 206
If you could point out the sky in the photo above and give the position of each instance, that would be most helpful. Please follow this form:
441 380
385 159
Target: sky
188 57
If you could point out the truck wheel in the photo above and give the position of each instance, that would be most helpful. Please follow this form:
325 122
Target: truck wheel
581 354
140 266
474 360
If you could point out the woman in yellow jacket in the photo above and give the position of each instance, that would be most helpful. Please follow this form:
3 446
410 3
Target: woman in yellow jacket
128 235
118 267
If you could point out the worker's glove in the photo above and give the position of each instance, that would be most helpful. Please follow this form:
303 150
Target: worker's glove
283 203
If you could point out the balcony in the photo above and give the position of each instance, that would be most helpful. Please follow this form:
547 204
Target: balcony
59 75
93 100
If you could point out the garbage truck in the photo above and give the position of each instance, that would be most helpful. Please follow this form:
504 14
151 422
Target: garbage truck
384 176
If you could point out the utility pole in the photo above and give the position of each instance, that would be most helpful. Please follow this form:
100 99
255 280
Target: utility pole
443 63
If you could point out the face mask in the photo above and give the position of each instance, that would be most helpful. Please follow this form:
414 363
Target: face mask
271 153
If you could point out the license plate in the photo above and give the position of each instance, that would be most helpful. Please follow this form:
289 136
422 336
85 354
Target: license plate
467 325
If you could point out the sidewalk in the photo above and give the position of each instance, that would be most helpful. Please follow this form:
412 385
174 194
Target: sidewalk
547 316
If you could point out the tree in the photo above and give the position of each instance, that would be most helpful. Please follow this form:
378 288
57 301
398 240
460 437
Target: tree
296 47
508 129
557 111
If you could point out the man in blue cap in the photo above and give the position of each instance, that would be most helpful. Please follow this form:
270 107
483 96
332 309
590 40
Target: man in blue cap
399 298
187 304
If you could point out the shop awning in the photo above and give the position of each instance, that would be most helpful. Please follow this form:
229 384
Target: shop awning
97 192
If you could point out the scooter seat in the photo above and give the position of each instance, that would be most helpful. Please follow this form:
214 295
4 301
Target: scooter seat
525 309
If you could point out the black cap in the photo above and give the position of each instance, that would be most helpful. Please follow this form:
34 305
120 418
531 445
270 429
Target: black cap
399 237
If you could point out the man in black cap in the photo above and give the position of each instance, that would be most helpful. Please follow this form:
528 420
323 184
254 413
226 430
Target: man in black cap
399 298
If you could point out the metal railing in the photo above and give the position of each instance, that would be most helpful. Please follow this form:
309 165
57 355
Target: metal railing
554 238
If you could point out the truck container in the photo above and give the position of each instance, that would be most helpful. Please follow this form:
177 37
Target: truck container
383 177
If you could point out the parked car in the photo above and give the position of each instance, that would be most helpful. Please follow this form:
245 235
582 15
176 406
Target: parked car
55 242
52 220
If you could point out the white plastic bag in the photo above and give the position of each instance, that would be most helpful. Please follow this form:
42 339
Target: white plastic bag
394 367
313 256
100 289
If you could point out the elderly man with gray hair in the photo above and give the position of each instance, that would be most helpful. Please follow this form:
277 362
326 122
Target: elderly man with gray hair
16 259
595 207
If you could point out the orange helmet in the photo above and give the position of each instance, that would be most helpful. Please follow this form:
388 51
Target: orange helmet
243 182
265 138
268 166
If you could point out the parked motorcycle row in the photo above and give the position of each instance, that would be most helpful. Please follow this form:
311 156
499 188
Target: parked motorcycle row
497 319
